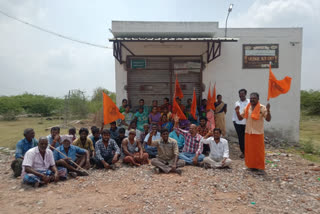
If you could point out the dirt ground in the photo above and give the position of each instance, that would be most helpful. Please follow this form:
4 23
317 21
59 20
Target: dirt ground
291 185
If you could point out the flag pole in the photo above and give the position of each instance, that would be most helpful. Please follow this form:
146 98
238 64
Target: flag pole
270 63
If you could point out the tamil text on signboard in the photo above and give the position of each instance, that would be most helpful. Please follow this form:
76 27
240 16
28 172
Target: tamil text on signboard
260 55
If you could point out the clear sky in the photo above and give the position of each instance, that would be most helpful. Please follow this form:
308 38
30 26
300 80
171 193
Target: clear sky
36 62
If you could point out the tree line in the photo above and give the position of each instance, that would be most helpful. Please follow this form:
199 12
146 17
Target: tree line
76 104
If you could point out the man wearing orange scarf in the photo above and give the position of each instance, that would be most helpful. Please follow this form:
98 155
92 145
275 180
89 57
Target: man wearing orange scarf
254 113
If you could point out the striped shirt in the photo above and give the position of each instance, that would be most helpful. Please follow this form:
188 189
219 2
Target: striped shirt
191 144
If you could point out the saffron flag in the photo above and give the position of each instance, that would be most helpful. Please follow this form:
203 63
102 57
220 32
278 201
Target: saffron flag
194 105
210 103
178 91
277 87
214 96
110 110
176 110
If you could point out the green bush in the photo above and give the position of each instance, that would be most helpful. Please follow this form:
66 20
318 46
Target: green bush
310 102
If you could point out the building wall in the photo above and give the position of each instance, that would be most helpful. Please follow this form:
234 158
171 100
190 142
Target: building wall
229 76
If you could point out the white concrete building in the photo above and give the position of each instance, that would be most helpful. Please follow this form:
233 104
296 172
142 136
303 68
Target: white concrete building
149 54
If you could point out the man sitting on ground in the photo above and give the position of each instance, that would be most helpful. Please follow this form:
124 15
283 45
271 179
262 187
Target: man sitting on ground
114 131
73 131
192 149
21 148
133 125
95 136
203 131
168 153
107 151
121 136
39 167
152 150
85 143
54 137
66 155
219 150
132 151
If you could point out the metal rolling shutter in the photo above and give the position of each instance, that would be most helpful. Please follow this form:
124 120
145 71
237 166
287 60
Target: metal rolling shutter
153 82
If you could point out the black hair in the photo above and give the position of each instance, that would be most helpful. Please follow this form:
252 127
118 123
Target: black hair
72 129
167 99
164 130
93 127
133 122
105 131
55 128
244 90
122 130
203 118
141 108
95 130
124 100
27 131
217 129
84 130
189 99
141 100
219 95
255 93
113 122
127 106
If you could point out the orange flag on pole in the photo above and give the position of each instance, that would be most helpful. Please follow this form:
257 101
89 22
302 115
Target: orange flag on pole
110 110
210 103
277 87
194 105
214 96
178 91
177 110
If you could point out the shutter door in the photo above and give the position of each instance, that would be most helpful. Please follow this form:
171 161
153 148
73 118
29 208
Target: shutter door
153 82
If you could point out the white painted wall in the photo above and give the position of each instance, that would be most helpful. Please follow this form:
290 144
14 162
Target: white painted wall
229 76
227 71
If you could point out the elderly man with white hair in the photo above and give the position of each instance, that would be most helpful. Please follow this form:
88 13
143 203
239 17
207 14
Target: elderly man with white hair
38 167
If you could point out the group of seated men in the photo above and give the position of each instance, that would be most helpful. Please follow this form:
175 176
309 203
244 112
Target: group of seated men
53 157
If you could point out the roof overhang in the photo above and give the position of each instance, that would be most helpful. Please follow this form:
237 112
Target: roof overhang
213 44
174 39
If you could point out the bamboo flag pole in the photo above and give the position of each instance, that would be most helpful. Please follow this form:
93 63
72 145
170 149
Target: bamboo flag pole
69 160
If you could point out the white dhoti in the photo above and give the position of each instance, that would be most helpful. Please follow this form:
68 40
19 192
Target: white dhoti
216 163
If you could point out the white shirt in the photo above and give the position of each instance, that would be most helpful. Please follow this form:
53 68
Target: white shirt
242 105
154 137
218 151
34 159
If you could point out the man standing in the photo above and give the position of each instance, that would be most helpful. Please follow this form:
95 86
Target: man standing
21 148
192 149
240 125
152 150
39 167
85 143
219 150
255 113
107 151
168 153
66 154
220 114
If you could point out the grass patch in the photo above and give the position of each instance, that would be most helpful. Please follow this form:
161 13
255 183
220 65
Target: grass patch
12 131
309 138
